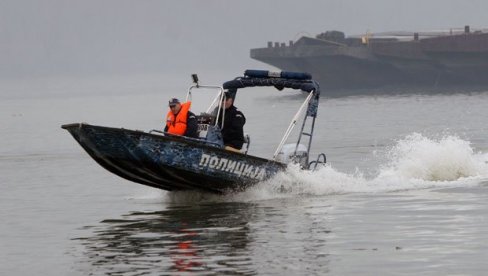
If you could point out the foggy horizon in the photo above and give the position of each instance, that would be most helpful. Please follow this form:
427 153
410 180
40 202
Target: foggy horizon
89 38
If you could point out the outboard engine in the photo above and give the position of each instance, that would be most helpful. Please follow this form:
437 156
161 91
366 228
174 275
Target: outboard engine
292 153
207 131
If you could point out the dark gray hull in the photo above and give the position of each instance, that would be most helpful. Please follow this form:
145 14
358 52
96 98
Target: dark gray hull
438 62
171 163
339 72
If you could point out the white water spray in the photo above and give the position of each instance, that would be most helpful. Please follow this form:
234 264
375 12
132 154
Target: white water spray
415 162
447 159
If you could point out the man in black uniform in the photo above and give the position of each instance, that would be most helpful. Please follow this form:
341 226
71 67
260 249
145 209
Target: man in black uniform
234 120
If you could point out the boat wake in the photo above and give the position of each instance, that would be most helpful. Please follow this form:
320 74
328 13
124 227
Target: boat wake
415 162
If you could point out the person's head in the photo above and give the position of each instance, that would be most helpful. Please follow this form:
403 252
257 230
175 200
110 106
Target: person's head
228 100
174 105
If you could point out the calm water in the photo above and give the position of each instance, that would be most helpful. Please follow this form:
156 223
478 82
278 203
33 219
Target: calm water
405 192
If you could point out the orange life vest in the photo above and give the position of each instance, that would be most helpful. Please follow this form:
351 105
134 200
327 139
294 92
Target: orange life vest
177 124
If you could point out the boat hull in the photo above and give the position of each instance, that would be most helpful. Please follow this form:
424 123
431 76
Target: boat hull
171 163
446 61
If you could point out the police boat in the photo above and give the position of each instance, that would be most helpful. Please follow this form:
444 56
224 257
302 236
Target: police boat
176 163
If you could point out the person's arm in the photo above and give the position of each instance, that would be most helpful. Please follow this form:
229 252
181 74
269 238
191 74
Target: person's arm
237 131
191 126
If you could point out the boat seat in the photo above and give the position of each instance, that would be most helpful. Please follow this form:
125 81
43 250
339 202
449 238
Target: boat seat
247 140
229 148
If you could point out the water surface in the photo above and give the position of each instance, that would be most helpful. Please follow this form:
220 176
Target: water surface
405 192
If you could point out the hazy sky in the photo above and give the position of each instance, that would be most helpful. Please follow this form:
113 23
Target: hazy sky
90 37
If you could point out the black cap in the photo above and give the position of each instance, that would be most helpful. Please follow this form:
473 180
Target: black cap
229 95
173 101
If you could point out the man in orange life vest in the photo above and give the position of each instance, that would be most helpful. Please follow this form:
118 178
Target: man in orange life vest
180 120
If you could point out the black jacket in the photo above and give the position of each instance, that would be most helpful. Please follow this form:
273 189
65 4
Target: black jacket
191 126
233 131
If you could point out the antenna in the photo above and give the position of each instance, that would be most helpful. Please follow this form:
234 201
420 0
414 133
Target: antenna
195 79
